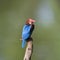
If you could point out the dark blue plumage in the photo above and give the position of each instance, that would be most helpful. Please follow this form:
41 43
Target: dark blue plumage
26 33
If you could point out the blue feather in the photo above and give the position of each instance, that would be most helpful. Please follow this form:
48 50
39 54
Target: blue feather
25 34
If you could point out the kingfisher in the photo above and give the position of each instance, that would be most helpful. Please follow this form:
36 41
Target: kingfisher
27 31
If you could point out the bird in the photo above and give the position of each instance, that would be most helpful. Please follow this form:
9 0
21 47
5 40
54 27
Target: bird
27 31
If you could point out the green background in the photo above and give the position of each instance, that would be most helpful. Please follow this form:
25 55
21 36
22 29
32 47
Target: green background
46 36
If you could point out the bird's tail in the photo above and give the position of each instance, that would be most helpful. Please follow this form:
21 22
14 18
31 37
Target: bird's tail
23 43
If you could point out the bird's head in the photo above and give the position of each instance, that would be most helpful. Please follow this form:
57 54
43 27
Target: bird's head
30 21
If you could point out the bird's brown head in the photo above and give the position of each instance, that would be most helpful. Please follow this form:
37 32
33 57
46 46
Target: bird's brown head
30 21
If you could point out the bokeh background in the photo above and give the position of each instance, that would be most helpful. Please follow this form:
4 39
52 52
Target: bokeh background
46 36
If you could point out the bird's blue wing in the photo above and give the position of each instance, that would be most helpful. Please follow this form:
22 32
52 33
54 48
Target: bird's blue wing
26 32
